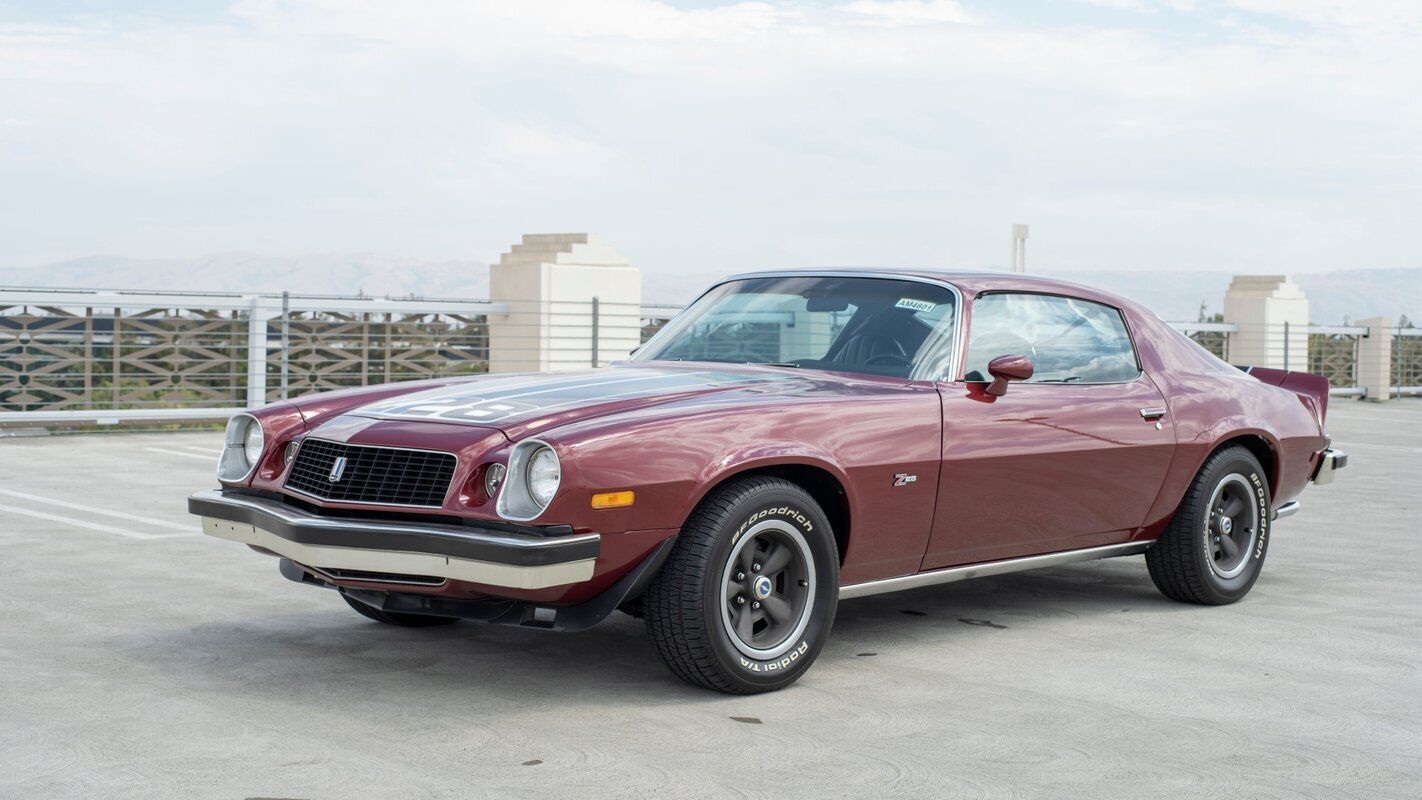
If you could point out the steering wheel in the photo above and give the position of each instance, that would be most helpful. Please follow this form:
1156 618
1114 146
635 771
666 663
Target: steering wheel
889 360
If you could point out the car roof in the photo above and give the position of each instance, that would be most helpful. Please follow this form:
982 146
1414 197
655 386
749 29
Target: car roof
969 282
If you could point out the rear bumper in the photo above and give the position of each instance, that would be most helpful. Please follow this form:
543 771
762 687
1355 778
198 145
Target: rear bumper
1331 462
492 558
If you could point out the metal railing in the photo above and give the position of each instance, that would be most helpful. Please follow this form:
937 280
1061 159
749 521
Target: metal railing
114 356
1327 350
654 317
1333 353
1213 336
312 350
1406 373
111 356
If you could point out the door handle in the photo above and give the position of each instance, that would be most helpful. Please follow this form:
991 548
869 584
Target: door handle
1149 414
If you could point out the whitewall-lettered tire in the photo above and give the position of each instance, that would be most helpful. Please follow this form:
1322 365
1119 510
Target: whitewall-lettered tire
747 597
1214 548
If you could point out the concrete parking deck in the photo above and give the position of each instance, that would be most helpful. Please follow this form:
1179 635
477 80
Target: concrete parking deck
140 659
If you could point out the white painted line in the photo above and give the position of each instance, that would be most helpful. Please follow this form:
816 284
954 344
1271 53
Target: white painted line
211 451
79 523
1397 447
188 529
177 453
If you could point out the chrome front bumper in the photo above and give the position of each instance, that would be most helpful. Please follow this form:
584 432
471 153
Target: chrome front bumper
490 557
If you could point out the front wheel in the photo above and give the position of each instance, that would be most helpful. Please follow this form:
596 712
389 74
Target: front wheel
746 599
1213 549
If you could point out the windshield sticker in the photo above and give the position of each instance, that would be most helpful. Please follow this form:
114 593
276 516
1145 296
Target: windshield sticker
916 305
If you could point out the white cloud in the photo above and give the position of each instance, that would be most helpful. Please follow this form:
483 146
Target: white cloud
909 12
1376 17
1122 5
758 132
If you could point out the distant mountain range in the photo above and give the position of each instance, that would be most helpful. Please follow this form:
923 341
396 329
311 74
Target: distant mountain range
330 273
1335 297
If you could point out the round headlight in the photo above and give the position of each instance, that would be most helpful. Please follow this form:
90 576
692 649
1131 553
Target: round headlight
543 476
241 448
252 442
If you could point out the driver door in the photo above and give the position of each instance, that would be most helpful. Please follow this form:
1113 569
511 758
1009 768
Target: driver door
1071 458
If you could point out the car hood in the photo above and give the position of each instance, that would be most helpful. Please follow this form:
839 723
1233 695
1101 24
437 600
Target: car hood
518 404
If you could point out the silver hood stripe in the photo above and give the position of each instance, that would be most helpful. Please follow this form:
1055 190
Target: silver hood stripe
499 399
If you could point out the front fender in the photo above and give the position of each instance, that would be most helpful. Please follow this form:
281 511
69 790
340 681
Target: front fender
863 441
672 466
752 456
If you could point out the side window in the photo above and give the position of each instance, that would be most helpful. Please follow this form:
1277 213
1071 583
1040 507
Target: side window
1068 340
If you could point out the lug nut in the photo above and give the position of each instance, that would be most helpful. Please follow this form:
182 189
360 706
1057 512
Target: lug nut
755 568
740 599
740 576
756 604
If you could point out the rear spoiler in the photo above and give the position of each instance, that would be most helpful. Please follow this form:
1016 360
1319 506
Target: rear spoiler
1304 384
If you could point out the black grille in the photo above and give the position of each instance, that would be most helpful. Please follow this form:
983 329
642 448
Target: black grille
374 475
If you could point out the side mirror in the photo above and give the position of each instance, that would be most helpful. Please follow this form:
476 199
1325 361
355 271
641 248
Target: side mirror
1007 368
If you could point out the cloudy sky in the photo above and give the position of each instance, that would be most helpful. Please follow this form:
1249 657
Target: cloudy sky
1248 135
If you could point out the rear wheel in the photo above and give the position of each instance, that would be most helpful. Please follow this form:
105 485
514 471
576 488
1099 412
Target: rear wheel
395 617
747 597
1214 548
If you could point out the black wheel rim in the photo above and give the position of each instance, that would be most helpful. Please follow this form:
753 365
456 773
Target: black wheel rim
767 590
1232 526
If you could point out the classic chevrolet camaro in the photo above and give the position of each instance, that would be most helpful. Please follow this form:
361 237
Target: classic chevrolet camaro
790 440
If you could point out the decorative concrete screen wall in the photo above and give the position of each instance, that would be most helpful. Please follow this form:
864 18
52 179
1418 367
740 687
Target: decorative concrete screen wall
110 357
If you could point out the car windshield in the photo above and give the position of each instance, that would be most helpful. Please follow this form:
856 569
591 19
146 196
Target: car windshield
872 326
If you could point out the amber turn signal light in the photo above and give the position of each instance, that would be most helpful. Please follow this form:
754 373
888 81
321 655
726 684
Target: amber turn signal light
612 499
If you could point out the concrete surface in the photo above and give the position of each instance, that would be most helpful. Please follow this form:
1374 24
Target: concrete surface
140 660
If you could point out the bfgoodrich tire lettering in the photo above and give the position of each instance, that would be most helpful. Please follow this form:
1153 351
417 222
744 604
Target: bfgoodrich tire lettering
1214 548
747 597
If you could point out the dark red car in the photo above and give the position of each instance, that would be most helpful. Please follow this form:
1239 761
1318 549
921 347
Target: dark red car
791 440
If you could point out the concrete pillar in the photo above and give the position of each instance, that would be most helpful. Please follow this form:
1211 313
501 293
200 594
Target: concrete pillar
258 315
548 281
1271 313
806 333
1019 247
1375 359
